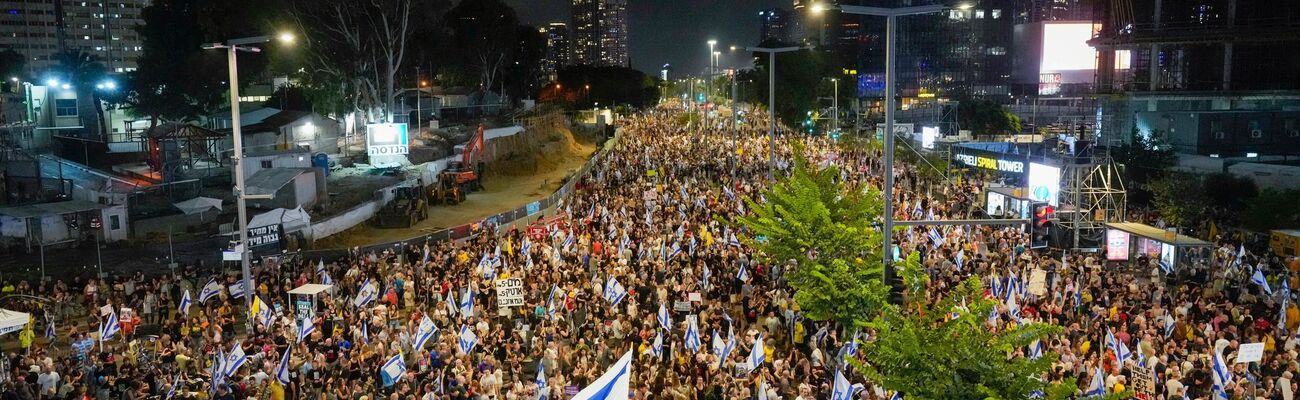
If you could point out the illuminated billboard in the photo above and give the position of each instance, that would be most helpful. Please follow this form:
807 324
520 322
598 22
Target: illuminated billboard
1067 58
928 135
386 140
1116 245
1044 183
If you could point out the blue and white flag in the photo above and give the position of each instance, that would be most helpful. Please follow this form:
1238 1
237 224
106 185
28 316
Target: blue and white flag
171 392
757 354
541 380
282 369
690 245
393 370
305 327
614 292
743 274
1035 350
692 337
424 332
110 328
733 241
961 258
727 347
49 329
762 389
216 373
1121 351
369 291
186 303
614 384
704 282
210 290
841 390
657 347
1222 376
1169 326
1258 279
665 319
1286 300
467 304
237 290
568 242
467 340
235 359
1141 356
677 249
821 334
1166 267
995 284
936 239
1097 386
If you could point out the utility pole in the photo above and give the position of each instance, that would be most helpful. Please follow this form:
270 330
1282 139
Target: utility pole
771 103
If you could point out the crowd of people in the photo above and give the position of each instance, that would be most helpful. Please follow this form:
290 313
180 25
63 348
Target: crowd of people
641 260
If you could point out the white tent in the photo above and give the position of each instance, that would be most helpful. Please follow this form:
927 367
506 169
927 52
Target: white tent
198 205
293 220
13 321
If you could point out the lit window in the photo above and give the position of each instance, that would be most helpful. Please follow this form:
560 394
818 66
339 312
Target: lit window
996 14
979 14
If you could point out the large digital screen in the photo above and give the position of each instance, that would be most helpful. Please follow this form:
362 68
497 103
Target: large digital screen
928 135
994 204
1116 245
1044 183
1067 57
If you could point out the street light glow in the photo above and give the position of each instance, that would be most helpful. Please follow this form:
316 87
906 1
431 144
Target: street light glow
818 8
66 86
712 42
286 37
51 82
965 6
15 79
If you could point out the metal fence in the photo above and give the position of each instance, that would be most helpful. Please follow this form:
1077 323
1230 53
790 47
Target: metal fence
467 230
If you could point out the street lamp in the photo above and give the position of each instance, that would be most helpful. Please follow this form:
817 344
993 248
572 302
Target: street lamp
835 118
232 47
891 24
771 102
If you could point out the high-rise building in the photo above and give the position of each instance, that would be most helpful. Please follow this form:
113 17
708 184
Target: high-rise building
776 24
41 29
600 32
556 35
1208 77
1033 11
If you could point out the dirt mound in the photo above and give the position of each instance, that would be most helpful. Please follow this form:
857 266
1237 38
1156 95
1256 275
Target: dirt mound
546 143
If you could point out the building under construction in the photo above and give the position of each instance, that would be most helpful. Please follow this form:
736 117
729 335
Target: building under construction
1209 77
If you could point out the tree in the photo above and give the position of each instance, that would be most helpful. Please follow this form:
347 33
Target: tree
797 72
585 85
1229 192
827 233
85 72
986 117
176 80
485 37
1179 198
1142 159
1272 209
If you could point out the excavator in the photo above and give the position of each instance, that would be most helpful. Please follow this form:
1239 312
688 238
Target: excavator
461 177
406 209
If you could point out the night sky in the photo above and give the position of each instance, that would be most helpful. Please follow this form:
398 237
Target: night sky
672 31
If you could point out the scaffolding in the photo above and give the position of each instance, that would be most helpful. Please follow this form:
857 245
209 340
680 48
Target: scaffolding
1092 195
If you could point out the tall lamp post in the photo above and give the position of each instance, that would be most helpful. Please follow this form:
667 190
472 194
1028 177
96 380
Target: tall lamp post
708 89
771 102
232 47
891 25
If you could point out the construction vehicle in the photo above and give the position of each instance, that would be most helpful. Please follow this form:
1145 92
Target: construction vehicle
464 176
407 208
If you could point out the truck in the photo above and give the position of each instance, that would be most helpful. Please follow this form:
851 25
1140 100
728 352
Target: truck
407 208
461 177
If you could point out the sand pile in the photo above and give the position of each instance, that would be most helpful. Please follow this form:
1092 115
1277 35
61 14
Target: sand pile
546 143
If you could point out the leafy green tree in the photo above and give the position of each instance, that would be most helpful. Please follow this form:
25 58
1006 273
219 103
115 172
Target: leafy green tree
1179 198
1142 159
1229 192
1272 209
826 232
176 80
797 74
810 219
986 117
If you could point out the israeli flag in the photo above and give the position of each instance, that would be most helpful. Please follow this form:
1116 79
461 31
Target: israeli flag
110 328
1035 350
1142 357
961 258
528 245
762 389
677 249
935 238
704 282
757 355
1222 375
171 392
728 347
849 349
733 241
717 344
665 319
743 274
1286 298
282 369
216 373
467 340
1169 326
1096 387
306 327
821 335
690 245
210 290
996 285
613 385
1012 308
614 292
49 329
369 290
692 337
1166 267
235 359
1121 351
424 332
841 390
393 370
237 290
568 242
657 347
450 302
365 332
541 380
467 304
185 303
551 305
1258 279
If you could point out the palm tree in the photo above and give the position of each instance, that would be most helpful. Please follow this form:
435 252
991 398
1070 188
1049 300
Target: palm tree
85 71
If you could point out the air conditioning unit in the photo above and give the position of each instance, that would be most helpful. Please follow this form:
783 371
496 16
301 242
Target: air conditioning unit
1256 133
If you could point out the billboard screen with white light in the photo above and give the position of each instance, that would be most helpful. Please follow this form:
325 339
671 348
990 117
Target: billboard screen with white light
386 140
1044 183
1067 58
